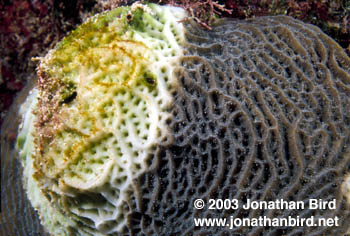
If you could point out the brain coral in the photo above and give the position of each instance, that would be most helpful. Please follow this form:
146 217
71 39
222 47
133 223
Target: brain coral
137 115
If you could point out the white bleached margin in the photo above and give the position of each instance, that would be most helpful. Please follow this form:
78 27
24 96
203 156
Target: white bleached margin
51 218
119 155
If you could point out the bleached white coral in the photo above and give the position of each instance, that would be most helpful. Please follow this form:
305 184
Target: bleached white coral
101 106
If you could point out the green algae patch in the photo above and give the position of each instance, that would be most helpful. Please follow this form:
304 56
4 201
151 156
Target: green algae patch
86 45
101 106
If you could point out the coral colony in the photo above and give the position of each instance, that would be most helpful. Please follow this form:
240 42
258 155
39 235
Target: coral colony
140 111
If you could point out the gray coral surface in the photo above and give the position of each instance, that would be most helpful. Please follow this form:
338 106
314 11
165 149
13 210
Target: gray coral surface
262 113
256 109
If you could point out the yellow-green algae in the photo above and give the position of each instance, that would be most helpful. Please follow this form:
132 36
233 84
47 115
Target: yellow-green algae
104 50
100 108
85 46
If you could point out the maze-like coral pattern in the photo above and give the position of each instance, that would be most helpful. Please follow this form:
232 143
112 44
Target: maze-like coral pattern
139 114
261 112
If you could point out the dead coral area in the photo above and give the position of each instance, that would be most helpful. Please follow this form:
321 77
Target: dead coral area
29 28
